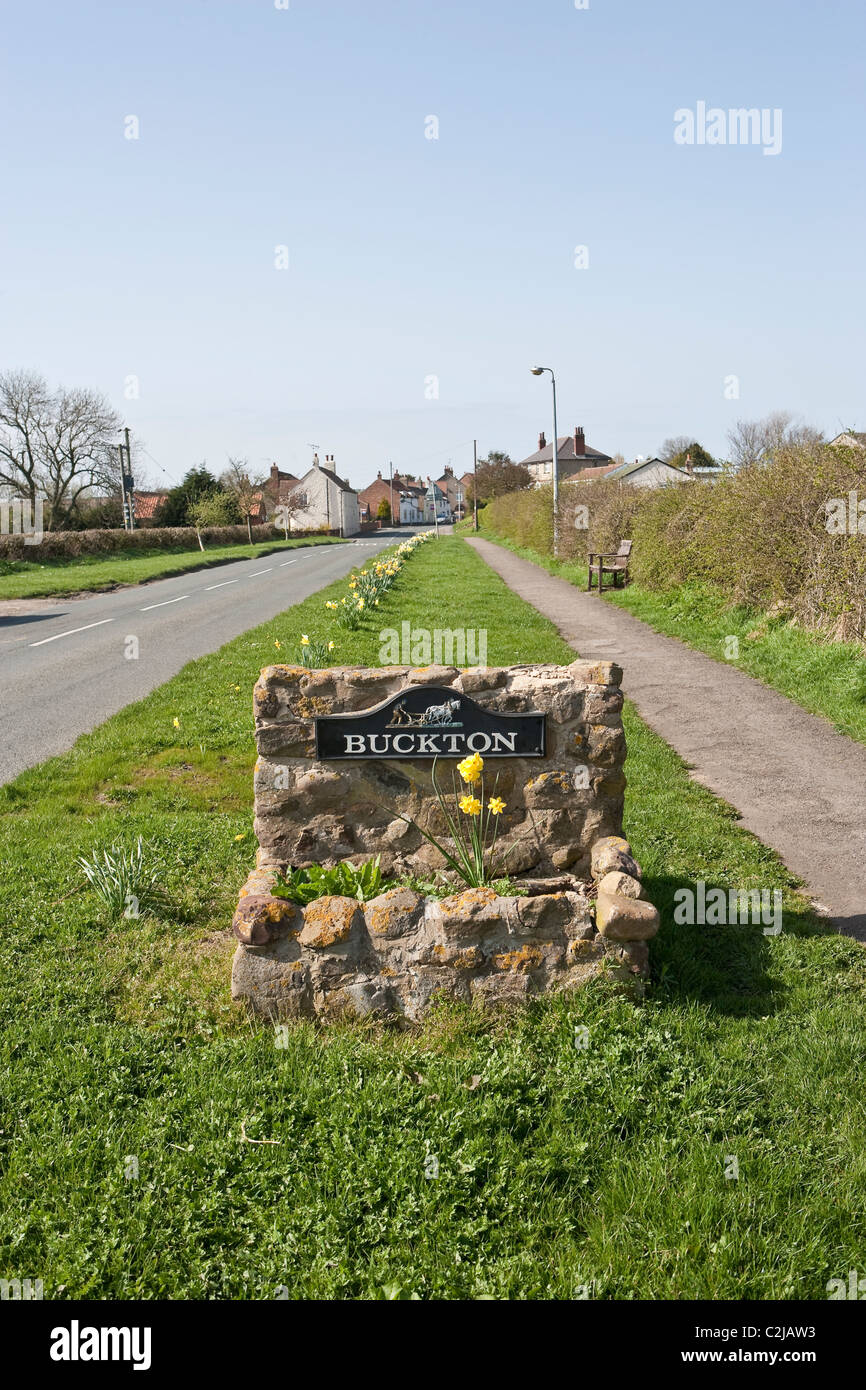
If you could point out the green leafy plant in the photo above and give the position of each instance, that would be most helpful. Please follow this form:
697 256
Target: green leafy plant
125 882
361 881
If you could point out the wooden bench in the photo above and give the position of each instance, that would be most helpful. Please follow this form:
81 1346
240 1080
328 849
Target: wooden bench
615 563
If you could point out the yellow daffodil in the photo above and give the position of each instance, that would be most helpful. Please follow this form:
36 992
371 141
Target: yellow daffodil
470 805
278 644
176 722
496 805
331 646
470 769
242 836
305 641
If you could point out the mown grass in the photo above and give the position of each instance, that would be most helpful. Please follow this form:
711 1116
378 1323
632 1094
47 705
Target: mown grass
827 678
90 573
558 1168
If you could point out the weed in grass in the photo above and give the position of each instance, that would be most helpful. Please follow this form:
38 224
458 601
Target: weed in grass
125 881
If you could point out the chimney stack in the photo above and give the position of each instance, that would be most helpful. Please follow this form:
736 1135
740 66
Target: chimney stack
542 442
275 476
579 440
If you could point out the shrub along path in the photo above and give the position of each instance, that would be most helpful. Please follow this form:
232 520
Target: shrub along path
796 783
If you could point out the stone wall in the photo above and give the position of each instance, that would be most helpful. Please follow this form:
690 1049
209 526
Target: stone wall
557 807
579 908
396 954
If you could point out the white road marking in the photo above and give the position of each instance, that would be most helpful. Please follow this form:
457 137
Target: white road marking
164 602
287 562
220 586
43 640
258 572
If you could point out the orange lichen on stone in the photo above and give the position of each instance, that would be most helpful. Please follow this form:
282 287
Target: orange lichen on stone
328 921
526 959
307 706
469 959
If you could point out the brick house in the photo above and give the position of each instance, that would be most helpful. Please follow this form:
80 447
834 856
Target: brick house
574 457
381 491
456 491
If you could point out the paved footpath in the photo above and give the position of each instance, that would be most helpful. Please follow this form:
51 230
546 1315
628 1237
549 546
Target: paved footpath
797 784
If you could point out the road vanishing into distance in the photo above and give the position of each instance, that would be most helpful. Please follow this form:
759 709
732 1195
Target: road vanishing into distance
62 664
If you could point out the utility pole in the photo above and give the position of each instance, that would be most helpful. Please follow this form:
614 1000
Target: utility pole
435 512
391 486
475 484
123 487
126 484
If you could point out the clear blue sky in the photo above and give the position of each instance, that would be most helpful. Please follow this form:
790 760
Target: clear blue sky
412 258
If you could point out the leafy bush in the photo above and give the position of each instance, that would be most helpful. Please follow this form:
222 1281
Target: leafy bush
759 536
71 545
345 880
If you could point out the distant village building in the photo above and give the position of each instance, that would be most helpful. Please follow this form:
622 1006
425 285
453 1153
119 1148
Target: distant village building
412 502
652 472
850 439
324 501
382 490
456 491
574 457
278 488
417 505
147 504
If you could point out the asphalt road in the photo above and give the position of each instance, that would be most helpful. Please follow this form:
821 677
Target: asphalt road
63 668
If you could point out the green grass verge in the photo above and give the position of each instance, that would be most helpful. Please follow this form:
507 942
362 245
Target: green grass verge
559 1168
88 573
826 678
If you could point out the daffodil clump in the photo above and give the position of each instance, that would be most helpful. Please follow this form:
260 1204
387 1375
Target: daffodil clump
367 586
473 827
315 654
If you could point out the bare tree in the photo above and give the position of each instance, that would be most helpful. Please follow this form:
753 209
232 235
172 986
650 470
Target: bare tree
55 445
246 490
756 441
677 444
25 406
288 508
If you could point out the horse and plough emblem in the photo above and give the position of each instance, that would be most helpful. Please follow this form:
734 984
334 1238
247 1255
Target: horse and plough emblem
434 716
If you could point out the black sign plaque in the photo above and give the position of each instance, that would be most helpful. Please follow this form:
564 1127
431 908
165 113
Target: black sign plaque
429 721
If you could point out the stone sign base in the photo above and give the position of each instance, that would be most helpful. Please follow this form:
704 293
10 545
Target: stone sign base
342 767
396 953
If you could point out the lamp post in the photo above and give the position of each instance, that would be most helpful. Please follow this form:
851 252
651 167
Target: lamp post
537 371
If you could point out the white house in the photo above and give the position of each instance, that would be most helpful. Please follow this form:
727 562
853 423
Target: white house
648 473
322 500
416 505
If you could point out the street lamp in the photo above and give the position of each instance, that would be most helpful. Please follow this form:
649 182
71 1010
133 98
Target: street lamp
537 371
